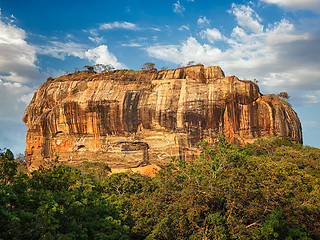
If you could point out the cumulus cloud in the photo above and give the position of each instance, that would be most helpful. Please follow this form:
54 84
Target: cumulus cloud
247 18
97 55
280 57
190 50
119 25
102 55
14 98
203 21
178 8
211 34
17 57
296 4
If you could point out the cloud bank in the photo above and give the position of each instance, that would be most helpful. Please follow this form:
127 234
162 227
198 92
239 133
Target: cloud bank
280 57
14 98
296 4
17 69
17 57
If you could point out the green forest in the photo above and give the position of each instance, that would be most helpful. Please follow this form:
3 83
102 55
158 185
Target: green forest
269 189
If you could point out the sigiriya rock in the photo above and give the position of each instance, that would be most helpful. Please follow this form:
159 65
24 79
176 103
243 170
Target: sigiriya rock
133 118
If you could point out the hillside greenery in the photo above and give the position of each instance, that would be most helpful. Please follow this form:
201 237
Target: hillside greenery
266 190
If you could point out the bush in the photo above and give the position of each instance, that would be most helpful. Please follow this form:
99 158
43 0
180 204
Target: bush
266 190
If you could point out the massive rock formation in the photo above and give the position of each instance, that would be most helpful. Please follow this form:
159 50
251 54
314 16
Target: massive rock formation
129 119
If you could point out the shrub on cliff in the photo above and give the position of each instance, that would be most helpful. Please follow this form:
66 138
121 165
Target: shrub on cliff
90 69
148 66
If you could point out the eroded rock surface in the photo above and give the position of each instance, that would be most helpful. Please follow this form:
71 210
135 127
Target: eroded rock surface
129 119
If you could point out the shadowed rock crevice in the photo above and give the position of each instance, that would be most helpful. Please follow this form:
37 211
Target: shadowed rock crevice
83 116
130 111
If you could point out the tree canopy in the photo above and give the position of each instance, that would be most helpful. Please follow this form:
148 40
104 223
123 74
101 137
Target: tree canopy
148 66
284 95
266 190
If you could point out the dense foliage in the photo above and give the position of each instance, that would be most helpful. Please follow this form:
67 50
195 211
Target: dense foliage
266 190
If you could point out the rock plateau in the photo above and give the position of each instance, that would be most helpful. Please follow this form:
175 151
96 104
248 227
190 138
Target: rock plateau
135 118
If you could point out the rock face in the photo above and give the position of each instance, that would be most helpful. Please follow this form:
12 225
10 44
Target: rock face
129 119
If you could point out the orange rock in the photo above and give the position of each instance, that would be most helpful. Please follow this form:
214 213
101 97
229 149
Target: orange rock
129 119
149 170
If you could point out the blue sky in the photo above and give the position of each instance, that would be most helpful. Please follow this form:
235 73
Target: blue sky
273 41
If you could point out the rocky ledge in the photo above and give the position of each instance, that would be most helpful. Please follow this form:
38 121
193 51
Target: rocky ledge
134 118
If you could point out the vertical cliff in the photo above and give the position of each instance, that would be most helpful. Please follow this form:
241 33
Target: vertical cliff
130 119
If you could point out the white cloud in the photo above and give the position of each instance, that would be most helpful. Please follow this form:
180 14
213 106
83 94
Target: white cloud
26 97
95 36
296 4
184 27
178 8
102 55
247 18
119 25
14 98
211 34
287 32
203 21
60 49
190 50
97 55
311 97
98 40
17 68
17 57
131 44
280 57
93 32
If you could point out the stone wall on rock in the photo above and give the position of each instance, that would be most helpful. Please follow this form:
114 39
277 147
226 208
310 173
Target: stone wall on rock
135 118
